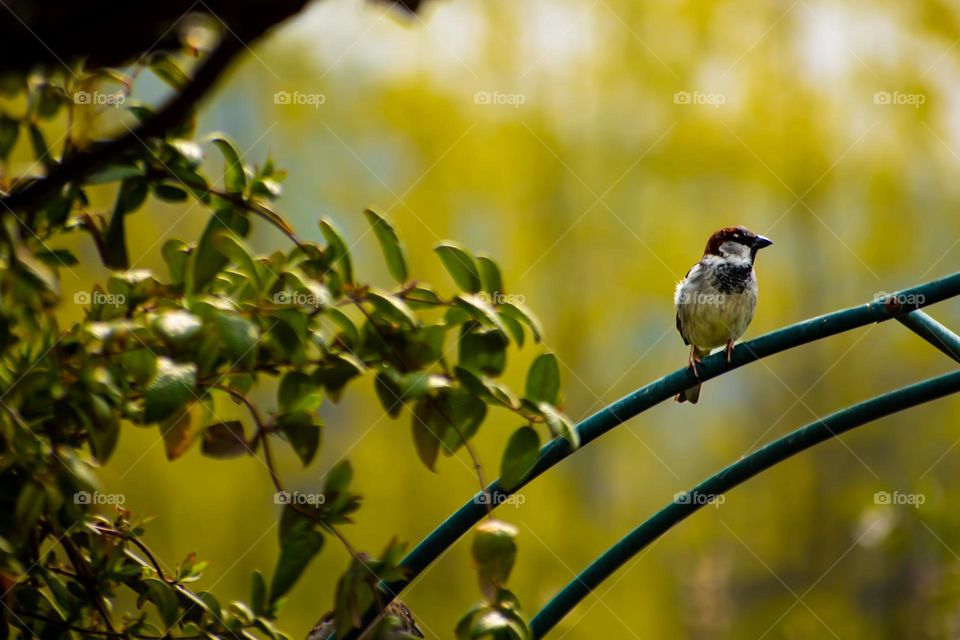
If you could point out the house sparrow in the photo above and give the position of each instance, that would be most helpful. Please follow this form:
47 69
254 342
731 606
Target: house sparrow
716 299
396 623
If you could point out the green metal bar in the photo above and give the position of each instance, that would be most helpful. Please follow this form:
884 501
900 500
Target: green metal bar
933 332
594 426
742 470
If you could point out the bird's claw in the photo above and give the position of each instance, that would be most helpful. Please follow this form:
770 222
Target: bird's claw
693 364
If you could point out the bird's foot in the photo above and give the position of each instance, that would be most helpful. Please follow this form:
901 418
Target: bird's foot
693 361
729 351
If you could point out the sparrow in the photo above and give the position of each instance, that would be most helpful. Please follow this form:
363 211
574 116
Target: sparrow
397 623
716 299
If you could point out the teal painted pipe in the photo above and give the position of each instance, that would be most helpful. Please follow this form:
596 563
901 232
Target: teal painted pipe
594 426
933 332
742 470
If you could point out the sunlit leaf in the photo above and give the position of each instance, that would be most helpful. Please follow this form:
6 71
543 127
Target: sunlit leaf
390 245
461 266
520 455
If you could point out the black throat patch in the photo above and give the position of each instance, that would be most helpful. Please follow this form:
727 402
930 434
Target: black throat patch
732 277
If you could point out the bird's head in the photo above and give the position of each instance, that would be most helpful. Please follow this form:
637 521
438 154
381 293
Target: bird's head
736 243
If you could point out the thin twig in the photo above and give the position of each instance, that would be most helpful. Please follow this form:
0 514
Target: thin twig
143 548
85 575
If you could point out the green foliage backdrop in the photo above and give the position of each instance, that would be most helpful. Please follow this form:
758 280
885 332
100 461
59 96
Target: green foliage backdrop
592 149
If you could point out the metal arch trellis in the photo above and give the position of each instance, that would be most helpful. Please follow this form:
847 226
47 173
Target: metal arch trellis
903 306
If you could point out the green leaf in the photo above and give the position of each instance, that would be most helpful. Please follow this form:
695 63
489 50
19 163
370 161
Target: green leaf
426 440
460 265
392 308
514 328
483 351
224 440
560 424
416 383
175 254
185 154
520 455
206 261
477 308
240 337
334 373
543 379
258 593
389 245
349 333
338 478
114 173
521 313
178 327
299 543
490 276
131 195
339 248
298 392
9 132
303 434
234 177
422 297
29 506
237 252
169 192
170 389
40 149
163 597
104 435
466 412
57 258
169 71
494 552
177 434
486 388
388 393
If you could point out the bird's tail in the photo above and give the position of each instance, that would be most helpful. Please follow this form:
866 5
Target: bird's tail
690 395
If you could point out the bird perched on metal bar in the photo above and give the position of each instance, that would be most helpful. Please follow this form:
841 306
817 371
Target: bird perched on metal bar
716 299
397 623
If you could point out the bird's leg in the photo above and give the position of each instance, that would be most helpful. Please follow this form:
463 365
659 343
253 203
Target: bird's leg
729 350
694 359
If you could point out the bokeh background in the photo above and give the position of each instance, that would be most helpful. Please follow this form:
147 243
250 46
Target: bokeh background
592 146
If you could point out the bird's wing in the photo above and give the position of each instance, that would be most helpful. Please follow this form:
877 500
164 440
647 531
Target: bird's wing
679 327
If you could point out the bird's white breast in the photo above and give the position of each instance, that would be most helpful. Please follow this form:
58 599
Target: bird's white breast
709 317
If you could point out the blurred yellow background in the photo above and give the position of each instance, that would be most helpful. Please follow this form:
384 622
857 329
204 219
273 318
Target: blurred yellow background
591 148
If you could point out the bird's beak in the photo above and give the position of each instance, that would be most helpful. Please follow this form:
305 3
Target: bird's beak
760 242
